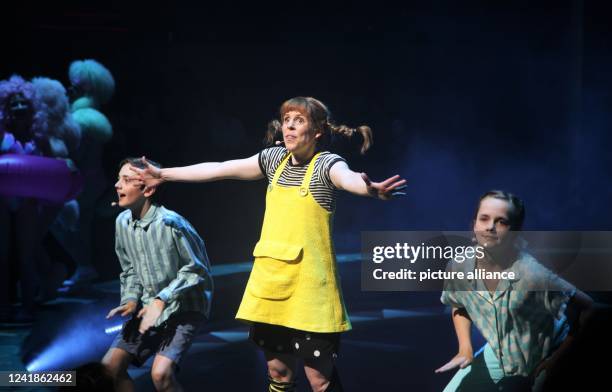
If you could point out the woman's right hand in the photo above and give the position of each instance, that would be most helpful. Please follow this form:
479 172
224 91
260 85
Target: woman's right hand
150 176
463 359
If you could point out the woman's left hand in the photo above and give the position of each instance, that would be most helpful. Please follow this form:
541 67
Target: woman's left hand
387 189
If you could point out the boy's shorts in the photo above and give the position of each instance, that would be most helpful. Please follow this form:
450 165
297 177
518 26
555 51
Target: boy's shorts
171 339
303 344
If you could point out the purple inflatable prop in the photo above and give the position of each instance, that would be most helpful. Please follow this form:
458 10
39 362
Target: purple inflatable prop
38 177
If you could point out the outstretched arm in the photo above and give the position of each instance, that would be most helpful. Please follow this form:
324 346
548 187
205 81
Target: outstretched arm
359 183
238 169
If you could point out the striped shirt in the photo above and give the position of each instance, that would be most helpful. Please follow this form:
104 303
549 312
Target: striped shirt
522 325
321 186
162 255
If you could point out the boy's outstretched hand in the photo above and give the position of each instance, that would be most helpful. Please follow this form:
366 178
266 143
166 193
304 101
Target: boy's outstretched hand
125 309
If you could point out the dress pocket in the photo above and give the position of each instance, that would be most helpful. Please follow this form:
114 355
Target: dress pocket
276 270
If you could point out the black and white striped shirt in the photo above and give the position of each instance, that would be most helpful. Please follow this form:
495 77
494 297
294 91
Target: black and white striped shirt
322 188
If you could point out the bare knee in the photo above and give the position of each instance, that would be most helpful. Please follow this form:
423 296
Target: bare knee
281 367
318 384
117 362
279 371
319 374
162 376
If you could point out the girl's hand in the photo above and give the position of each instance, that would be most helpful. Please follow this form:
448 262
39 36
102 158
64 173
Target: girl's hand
150 176
463 359
543 366
387 189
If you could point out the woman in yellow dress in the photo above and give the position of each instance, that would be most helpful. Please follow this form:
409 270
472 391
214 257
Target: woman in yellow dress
293 300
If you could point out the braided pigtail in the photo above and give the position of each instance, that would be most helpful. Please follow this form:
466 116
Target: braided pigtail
274 130
348 132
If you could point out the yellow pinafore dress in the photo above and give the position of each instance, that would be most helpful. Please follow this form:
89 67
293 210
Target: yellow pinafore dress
294 282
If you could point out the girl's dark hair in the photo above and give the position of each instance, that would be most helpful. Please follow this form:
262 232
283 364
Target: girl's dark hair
137 162
321 120
517 212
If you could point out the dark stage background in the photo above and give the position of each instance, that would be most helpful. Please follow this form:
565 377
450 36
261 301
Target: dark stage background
462 98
